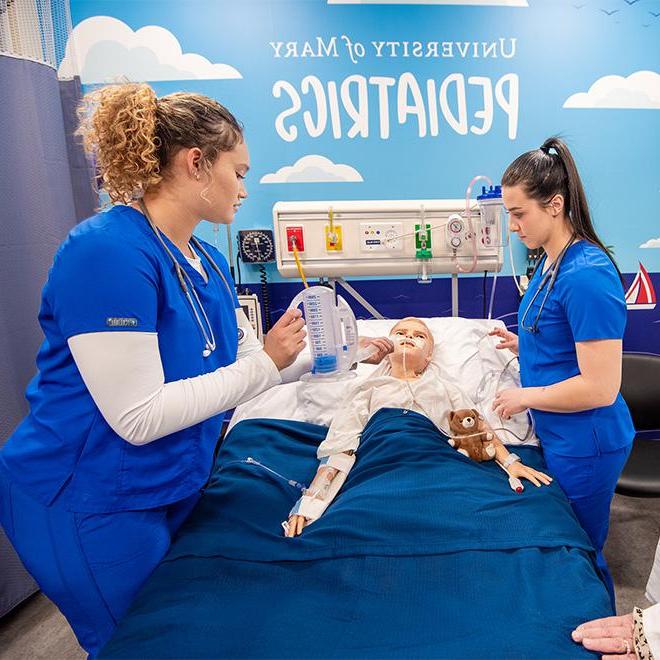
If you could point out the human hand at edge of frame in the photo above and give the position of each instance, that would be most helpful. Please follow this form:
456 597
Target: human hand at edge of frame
612 636
522 471
383 345
509 339
509 402
295 526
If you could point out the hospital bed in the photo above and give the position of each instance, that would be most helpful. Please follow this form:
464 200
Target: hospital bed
424 553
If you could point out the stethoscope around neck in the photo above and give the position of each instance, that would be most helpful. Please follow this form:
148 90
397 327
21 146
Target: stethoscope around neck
548 278
188 286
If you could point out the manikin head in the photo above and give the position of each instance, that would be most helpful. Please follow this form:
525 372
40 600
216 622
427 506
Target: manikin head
414 342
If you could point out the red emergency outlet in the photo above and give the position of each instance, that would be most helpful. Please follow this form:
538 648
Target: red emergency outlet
295 233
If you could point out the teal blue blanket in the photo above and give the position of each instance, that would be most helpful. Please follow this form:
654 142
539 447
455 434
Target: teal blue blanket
424 553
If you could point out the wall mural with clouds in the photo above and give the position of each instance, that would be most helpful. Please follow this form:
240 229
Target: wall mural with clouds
387 99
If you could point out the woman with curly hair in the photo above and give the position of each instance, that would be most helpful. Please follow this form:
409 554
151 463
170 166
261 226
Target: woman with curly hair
145 347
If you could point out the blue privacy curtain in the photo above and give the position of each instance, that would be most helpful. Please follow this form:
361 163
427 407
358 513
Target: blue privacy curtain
45 188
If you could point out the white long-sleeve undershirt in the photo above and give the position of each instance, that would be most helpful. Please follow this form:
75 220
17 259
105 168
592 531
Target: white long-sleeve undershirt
124 375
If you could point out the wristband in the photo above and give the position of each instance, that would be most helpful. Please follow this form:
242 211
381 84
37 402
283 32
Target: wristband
510 460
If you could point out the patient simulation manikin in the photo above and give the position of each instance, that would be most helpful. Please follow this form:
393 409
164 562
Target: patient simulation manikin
407 379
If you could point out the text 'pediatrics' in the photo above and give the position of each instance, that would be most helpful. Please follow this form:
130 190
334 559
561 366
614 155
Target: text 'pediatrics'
360 105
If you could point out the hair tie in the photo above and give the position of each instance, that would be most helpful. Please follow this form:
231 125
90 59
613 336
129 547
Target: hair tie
545 150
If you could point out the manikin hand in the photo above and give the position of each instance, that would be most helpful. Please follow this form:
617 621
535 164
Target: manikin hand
295 526
521 471
318 489
383 344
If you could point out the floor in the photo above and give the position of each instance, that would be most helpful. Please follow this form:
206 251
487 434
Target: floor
37 630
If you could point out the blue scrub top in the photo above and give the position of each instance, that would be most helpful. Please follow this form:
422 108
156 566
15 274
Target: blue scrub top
111 274
587 302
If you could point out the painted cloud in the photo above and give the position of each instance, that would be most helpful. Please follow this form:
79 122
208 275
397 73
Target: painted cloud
495 3
103 49
651 243
639 90
314 169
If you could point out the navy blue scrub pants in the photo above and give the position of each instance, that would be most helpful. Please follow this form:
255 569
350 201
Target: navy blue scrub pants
589 485
91 565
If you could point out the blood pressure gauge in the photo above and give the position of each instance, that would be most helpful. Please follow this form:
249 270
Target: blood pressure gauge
256 246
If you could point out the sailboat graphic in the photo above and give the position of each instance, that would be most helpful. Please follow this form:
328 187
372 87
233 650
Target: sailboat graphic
641 294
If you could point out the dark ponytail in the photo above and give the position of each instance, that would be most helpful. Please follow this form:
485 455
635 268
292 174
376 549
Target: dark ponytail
544 174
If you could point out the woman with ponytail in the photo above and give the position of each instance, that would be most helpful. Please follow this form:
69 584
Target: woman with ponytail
570 330
145 347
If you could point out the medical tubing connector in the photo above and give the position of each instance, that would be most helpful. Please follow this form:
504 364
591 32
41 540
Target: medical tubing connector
468 217
292 482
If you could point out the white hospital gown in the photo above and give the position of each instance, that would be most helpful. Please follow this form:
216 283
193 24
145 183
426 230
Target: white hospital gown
429 395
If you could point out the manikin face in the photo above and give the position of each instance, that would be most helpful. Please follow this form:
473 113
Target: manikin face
532 221
412 337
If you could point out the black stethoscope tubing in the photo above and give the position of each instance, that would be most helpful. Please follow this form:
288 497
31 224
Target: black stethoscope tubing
549 278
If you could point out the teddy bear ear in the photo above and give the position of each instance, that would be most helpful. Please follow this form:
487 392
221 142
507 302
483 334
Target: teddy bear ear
451 415
475 412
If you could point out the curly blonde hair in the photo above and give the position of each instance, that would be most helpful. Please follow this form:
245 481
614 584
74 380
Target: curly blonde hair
133 135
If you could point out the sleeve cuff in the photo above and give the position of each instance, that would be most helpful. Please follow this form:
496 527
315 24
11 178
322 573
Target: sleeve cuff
342 462
271 371
651 619
601 337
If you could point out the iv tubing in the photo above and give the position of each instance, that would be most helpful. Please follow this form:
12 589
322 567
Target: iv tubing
468 216
513 270
416 232
492 296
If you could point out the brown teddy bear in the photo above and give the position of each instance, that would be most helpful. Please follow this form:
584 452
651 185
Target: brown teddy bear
469 436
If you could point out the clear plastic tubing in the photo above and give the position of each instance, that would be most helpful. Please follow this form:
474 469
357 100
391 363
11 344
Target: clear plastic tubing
468 217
